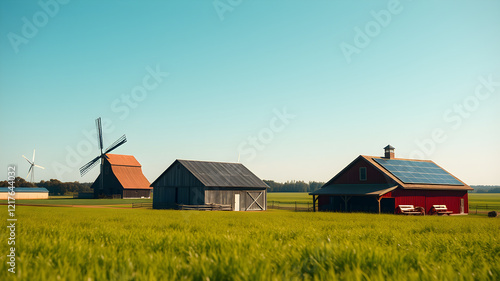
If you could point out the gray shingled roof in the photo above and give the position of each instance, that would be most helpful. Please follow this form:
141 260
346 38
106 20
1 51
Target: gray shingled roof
217 174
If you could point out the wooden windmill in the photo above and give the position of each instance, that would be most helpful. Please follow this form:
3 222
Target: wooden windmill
87 167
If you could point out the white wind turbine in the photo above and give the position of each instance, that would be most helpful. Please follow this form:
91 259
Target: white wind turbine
32 165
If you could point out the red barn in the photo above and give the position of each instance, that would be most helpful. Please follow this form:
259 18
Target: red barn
381 184
123 178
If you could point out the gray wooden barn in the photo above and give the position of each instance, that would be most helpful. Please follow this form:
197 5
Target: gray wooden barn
200 183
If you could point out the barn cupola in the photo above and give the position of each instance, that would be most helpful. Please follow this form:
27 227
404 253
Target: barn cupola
389 152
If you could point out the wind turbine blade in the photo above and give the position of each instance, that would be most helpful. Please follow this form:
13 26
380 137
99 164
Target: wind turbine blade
33 156
120 141
87 167
29 172
29 161
99 132
39 166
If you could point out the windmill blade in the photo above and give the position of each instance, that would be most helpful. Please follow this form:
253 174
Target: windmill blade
87 167
120 141
38 166
99 132
33 156
29 161
29 172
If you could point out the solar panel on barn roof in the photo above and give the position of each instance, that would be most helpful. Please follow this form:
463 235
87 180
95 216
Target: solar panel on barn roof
418 172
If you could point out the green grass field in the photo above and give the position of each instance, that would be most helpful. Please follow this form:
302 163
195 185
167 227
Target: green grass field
301 197
144 244
71 201
486 201
484 198
285 197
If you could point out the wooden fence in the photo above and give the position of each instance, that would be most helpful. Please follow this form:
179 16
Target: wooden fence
291 206
482 208
207 207
142 205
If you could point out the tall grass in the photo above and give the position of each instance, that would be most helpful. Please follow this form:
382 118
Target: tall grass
138 244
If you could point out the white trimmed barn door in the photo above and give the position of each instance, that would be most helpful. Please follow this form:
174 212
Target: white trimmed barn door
256 200
236 201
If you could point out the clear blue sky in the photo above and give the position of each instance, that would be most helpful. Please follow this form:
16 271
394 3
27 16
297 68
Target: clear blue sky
349 76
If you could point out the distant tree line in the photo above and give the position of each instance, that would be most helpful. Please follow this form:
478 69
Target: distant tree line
485 189
19 182
55 187
293 186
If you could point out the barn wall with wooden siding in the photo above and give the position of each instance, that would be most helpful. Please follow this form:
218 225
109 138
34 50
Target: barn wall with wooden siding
409 197
136 193
351 176
177 186
227 197
325 203
178 176
111 184
427 198
164 198
169 197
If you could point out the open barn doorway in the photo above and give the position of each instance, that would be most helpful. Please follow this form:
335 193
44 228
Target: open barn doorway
387 205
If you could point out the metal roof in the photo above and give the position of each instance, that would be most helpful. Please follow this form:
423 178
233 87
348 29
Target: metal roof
355 189
128 171
389 147
122 160
218 174
130 177
24 189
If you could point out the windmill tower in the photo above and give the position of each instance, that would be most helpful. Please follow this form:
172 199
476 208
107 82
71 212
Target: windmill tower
87 167
32 166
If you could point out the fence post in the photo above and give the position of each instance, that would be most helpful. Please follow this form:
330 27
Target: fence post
295 206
